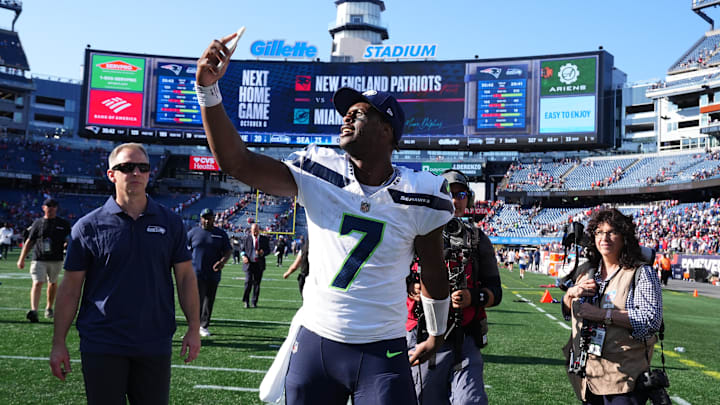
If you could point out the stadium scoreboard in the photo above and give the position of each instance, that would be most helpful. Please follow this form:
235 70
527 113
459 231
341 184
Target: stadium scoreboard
534 103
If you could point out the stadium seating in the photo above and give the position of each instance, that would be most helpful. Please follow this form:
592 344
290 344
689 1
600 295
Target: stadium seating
653 170
536 176
693 226
592 172
613 173
697 80
701 54
11 51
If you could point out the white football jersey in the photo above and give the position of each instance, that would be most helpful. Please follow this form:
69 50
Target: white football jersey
361 246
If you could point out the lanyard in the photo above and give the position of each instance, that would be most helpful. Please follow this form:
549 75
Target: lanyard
602 283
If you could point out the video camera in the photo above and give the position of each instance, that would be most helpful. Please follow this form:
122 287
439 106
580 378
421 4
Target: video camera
574 234
459 234
459 238
573 237
654 382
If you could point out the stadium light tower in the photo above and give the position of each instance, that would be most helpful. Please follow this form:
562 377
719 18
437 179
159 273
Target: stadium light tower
356 26
14 5
699 5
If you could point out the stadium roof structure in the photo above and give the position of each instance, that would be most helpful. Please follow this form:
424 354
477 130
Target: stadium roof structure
699 5
14 5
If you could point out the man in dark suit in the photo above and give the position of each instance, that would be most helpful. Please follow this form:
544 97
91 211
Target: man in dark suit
255 247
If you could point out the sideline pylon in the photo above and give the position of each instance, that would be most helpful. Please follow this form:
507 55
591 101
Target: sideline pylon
695 294
546 298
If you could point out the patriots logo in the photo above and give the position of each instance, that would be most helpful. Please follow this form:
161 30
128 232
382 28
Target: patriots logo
173 68
493 71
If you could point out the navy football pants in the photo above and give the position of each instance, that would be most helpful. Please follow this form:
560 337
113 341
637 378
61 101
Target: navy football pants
326 372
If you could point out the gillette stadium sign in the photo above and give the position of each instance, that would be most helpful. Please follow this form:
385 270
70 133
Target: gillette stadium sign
416 51
278 49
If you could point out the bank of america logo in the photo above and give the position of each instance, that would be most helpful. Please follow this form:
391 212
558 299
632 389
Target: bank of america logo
116 104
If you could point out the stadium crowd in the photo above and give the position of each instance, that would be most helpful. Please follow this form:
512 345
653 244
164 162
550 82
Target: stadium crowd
653 170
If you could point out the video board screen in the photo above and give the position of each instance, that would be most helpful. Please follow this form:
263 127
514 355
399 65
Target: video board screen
549 102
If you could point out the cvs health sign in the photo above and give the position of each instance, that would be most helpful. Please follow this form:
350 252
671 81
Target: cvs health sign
206 163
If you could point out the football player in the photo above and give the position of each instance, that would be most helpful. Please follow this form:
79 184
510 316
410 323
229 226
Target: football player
366 219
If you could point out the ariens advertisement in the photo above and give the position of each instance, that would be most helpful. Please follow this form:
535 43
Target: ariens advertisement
450 105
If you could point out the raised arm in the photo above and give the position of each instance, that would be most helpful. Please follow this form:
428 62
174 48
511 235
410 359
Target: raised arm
231 153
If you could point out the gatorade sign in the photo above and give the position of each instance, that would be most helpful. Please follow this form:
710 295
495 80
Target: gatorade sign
204 163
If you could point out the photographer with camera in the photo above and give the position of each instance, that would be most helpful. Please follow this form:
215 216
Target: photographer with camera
455 375
616 309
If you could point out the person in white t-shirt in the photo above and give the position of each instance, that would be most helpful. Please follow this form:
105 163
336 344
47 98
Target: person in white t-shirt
6 234
522 262
366 219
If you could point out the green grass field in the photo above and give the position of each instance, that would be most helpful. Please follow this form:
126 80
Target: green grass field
523 362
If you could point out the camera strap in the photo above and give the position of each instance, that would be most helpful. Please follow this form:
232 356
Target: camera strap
661 337
661 332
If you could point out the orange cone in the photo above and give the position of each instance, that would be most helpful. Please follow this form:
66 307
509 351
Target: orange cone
695 293
546 298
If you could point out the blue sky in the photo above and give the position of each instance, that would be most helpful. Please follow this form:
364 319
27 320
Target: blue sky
645 36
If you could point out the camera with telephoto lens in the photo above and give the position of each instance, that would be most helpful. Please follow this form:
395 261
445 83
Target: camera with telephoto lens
458 234
654 382
573 237
578 362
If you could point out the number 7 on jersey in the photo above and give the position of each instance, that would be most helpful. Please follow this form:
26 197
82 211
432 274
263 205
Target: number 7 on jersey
372 236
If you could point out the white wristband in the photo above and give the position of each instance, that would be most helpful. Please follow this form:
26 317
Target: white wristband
208 96
436 314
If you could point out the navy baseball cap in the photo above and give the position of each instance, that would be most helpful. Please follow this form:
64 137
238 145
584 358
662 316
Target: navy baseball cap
383 102
206 211
453 176
50 202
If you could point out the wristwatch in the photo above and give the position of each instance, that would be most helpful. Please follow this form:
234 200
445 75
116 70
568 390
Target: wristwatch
608 317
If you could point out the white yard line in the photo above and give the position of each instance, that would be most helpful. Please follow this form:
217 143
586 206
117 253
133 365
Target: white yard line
243 320
204 368
239 370
561 323
221 387
264 299
679 400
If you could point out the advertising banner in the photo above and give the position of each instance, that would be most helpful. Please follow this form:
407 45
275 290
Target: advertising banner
567 114
688 262
567 76
204 163
537 102
115 108
117 73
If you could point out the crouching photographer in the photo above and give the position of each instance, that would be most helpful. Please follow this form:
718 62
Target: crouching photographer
455 374
616 308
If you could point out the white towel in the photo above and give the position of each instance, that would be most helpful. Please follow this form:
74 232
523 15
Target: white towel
272 387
